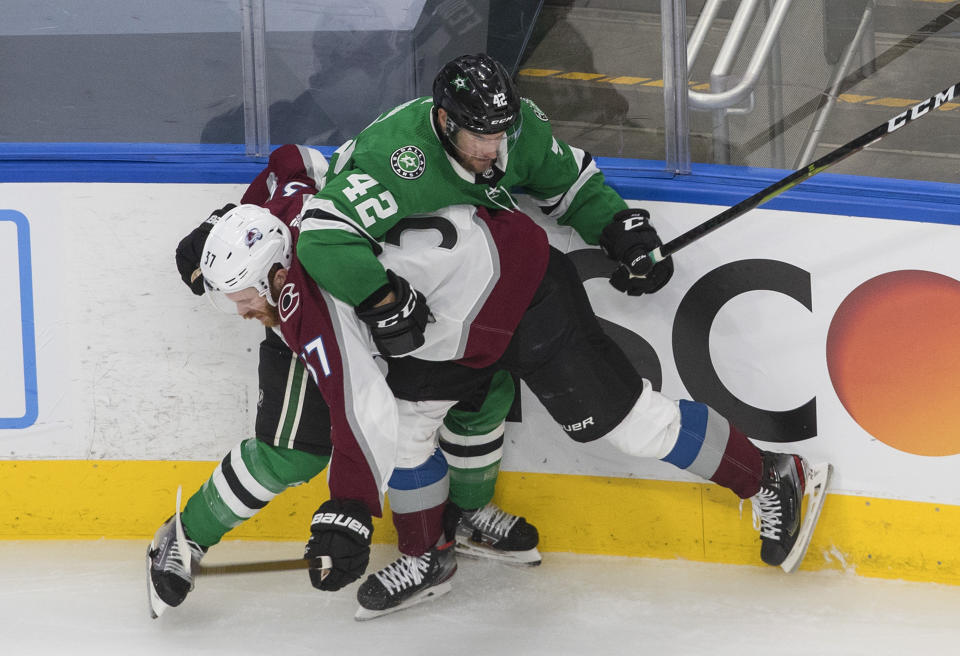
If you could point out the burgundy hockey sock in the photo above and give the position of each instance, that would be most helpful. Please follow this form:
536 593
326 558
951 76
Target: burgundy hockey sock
741 466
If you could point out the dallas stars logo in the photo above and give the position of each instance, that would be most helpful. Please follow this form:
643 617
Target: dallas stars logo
460 83
408 162
536 110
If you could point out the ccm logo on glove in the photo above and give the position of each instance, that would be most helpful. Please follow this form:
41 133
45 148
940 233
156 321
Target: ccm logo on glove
405 312
628 239
396 326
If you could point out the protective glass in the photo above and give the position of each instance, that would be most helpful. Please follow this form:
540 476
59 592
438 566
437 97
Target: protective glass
239 302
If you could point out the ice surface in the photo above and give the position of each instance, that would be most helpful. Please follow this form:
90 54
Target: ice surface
90 598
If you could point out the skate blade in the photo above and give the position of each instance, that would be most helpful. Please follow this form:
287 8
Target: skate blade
431 593
157 605
182 536
818 477
154 603
470 549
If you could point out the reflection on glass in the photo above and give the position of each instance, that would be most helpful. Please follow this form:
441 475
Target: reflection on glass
595 67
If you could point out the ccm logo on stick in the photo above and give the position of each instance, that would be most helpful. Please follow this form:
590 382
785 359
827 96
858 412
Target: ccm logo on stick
922 108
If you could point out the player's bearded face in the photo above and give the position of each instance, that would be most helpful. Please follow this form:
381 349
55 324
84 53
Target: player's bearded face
477 152
251 305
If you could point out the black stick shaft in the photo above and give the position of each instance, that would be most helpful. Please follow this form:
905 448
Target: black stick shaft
903 118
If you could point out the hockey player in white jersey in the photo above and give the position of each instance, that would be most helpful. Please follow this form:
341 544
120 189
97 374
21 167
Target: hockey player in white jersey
292 431
540 326
473 142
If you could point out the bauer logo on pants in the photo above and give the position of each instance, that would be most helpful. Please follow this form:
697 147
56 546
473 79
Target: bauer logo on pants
18 385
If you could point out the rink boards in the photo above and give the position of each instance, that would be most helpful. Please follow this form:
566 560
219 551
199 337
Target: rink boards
817 324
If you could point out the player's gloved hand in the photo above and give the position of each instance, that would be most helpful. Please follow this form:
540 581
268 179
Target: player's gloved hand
397 327
190 250
628 239
341 529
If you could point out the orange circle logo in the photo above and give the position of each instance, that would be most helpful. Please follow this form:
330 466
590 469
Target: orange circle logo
893 353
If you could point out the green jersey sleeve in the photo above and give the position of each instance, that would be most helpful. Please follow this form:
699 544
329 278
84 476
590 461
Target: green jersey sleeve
564 180
342 263
339 233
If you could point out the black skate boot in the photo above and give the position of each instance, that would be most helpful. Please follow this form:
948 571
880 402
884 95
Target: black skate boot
169 576
490 532
777 507
786 526
406 582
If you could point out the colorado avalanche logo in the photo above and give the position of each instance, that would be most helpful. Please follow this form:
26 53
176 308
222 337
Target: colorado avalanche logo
252 237
289 301
408 162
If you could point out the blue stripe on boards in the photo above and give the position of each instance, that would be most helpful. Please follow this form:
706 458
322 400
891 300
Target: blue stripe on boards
27 325
709 184
130 162
827 193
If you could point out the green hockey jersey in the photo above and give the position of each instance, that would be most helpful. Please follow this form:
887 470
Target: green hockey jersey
398 167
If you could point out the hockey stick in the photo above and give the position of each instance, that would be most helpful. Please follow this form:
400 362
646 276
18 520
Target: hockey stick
256 567
259 566
876 134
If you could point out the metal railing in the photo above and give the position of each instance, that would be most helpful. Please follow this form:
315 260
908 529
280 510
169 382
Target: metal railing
726 93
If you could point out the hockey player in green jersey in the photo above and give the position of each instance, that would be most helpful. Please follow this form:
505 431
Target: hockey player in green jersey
470 145
473 142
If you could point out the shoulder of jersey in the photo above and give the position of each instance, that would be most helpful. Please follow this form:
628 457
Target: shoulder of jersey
398 145
535 131
530 108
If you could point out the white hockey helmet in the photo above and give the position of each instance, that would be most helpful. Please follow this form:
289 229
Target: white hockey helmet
239 252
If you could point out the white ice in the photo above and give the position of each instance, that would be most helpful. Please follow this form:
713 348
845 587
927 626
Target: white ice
90 598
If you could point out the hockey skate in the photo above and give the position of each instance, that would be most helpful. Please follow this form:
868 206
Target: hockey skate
169 578
785 526
406 582
490 532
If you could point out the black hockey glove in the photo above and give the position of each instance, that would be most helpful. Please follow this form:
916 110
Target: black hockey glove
628 239
397 327
190 250
341 529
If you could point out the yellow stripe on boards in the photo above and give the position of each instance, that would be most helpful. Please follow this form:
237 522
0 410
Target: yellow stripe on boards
71 499
59 499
